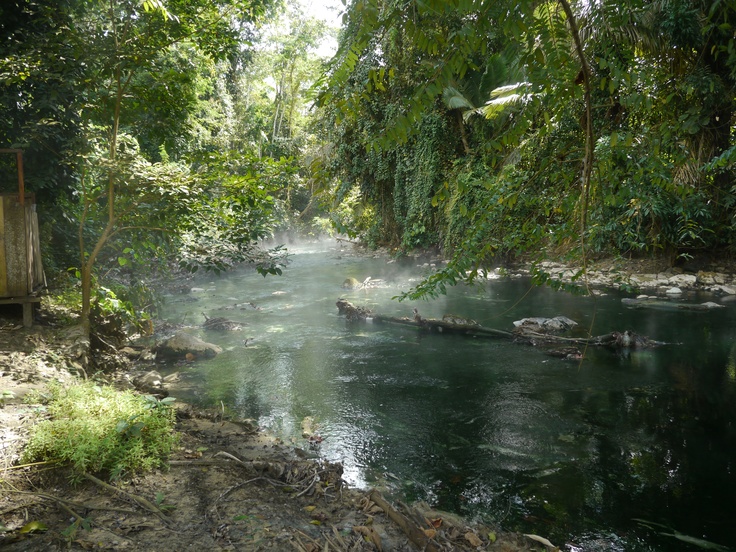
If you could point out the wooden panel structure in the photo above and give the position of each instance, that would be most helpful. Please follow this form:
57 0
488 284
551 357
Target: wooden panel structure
21 270
16 252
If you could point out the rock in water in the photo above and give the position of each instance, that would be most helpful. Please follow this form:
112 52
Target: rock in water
351 283
545 325
182 344
307 427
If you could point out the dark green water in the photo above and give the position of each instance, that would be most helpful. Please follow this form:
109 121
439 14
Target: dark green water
578 453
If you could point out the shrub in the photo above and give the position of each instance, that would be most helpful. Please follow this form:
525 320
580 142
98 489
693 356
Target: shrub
98 429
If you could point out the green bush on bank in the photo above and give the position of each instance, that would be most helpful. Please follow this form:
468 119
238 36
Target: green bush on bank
98 429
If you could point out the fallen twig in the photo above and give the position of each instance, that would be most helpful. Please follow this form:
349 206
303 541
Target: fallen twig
415 534
308 487
63 504
234 458
53 498
139 500
199 463
20 466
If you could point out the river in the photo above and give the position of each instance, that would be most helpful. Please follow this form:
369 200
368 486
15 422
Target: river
633 451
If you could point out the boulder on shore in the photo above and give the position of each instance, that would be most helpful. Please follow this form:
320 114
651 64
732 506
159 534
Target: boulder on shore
183 345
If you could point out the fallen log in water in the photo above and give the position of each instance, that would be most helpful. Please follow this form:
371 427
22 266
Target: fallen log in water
614 340
356 313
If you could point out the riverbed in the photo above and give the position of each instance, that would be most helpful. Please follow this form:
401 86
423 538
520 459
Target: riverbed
624 450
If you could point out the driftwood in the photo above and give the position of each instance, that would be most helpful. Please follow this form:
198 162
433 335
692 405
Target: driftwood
664 304
357 313
614 340
523 333
219 323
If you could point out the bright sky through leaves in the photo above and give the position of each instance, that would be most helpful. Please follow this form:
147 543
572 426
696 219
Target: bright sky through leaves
329 11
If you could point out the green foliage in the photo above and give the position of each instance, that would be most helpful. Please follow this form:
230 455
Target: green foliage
161 505
137 83
351 216
224 226
97 429
503 170
111 317
419 174
147 195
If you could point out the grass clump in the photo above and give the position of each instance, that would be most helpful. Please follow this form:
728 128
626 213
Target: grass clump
98 429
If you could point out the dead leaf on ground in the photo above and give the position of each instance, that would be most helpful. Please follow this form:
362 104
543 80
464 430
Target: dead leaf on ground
32 527
473 539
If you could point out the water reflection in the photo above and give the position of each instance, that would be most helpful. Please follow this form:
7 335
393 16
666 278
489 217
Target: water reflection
579 452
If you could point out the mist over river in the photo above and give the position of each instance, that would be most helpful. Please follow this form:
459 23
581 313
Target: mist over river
622 451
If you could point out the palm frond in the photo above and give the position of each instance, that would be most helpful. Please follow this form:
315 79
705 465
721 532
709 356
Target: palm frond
454 99
504 97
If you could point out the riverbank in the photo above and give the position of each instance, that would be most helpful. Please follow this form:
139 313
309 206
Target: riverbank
647 275
228 486
653 276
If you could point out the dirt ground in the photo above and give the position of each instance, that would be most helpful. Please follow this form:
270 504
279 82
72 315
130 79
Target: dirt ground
228 487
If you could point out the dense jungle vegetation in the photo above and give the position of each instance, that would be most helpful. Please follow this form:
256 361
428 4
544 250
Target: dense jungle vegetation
507 128
189 130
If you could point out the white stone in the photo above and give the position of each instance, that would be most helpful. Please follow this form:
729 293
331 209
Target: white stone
550 264
728 290
684 280
674 291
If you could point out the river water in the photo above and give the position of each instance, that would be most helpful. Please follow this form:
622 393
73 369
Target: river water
631 451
